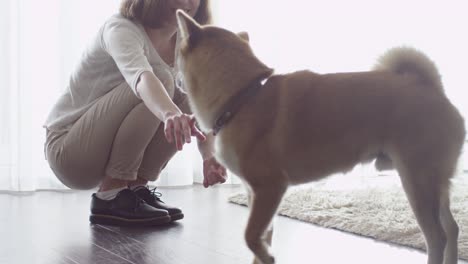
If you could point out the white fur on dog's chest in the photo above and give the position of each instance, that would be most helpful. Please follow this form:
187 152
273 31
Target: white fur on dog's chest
227 157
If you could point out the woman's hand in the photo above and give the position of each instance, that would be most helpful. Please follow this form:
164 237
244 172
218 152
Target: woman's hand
213 172
180 128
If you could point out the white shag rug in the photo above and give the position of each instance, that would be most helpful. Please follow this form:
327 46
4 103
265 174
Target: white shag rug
382 213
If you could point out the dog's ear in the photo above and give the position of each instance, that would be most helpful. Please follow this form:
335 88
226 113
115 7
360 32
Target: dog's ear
187 25
244 35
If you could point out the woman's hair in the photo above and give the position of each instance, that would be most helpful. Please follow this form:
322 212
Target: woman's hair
148 12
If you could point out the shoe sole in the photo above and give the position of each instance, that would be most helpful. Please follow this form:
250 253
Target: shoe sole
175 217
118 221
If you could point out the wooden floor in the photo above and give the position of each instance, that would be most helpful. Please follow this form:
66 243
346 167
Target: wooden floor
53 227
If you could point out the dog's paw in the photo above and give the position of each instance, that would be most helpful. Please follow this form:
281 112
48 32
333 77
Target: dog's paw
266 260
269 260
256 261
272 260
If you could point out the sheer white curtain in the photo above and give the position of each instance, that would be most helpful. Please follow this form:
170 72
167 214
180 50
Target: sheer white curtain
40 43
334 35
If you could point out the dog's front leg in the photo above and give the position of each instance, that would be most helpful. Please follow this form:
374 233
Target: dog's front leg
269 232
249 200
268 238
264 201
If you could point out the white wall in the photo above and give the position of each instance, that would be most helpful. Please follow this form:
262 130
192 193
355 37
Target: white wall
334 35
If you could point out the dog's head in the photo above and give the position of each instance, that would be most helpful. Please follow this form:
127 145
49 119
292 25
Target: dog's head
216 64
215 57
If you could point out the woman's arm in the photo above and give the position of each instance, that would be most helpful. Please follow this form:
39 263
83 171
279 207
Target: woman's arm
154 95
178 126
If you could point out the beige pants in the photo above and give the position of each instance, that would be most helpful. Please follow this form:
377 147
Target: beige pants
118 136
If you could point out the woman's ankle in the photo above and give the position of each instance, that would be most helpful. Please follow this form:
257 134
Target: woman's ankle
137 182
109 184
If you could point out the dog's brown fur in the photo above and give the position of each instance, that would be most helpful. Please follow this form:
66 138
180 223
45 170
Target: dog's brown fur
304 126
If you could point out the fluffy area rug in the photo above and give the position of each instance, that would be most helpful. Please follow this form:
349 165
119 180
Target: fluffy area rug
379 212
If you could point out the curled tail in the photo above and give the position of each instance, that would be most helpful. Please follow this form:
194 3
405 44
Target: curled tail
402 60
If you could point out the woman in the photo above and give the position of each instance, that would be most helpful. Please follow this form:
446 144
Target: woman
124 115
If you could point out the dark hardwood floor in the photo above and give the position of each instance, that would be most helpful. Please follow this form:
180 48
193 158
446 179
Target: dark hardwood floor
53 227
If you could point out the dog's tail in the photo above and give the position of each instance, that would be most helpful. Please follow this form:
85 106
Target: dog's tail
403 60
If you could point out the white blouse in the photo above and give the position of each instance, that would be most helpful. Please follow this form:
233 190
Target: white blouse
120 52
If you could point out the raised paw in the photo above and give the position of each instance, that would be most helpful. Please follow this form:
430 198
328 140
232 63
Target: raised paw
267 260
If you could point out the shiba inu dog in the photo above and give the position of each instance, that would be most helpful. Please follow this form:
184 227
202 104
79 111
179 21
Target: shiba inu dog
280 130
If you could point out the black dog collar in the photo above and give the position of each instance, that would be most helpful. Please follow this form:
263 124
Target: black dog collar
233 105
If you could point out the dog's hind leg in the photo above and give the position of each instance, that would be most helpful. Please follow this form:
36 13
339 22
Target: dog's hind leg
265 200
424 196
450 228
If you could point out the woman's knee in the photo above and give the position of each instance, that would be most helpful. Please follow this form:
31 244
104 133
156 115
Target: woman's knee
144 116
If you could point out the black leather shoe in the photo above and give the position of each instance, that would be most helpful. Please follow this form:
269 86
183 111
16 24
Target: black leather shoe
126 209
151 197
